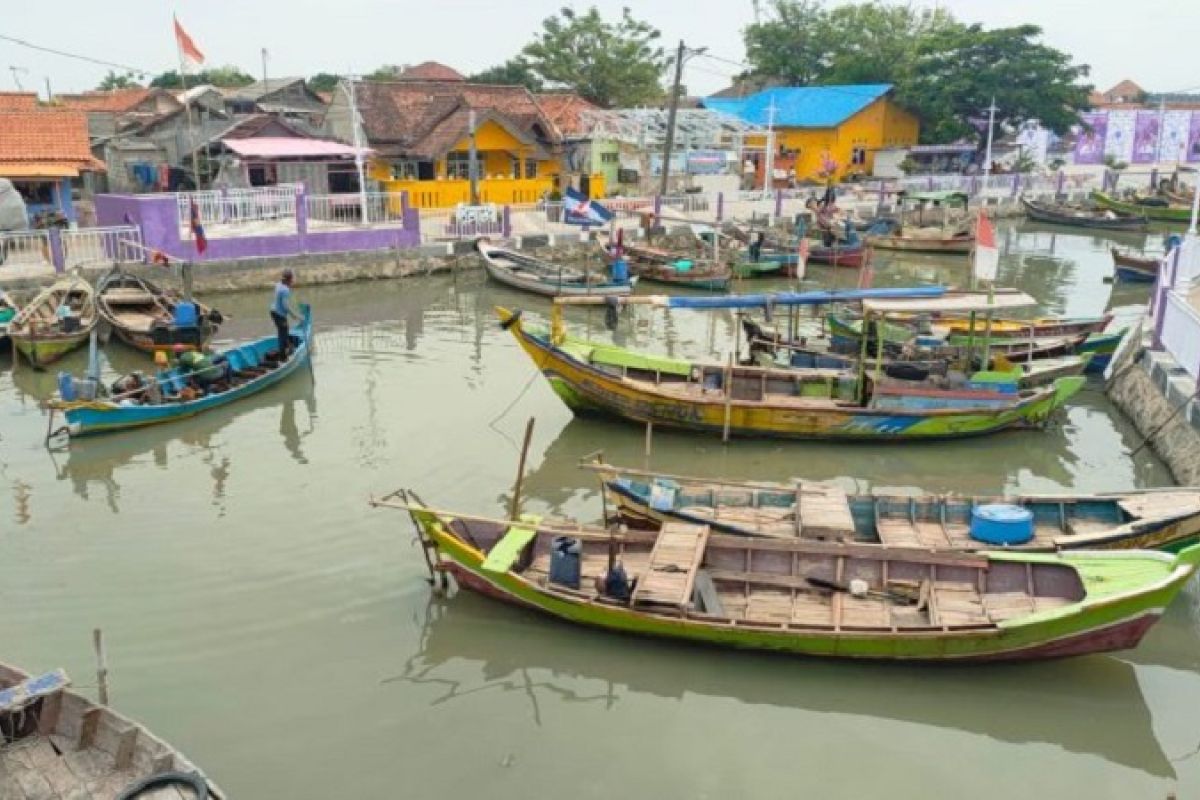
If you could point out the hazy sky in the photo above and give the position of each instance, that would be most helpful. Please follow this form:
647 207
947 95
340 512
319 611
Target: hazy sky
1142 40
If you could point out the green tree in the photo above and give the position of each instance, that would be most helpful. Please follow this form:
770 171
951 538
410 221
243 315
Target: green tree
114 81
943 71
958 72
227 75
611 64
514 72
323 82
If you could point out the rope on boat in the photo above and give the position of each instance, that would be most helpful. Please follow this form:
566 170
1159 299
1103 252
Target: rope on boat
194 780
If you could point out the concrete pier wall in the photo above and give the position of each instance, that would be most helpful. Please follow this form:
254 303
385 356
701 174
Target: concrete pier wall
1159 397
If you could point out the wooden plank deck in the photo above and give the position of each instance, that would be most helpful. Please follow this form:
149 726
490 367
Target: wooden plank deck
671 572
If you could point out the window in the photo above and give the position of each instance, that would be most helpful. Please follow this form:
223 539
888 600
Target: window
858 156
610 158
531 169
405 170
458 165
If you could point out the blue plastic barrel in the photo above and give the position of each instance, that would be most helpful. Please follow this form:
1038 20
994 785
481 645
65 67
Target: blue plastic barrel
1001 524
66 387
620 270
565 555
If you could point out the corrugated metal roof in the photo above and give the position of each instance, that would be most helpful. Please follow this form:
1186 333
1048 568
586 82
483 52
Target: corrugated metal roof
801 107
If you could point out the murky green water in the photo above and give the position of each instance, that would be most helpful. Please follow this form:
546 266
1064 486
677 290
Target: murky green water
262 618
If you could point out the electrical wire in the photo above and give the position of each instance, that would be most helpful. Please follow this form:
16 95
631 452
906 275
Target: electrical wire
76 56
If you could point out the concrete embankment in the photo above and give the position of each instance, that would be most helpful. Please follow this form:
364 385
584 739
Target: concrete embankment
1159 397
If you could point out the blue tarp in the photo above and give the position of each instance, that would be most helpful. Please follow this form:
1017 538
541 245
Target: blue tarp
820 297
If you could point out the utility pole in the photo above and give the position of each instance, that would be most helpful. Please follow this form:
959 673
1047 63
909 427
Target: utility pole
356 132
987 159
769 156
1162 127
472 158
672 109
266 86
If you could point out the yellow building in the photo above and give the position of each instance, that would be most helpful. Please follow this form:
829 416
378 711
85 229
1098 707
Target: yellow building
419 134
821 131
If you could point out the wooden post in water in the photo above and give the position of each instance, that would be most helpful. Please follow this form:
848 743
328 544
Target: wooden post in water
101 665
649 440
728 399
515 508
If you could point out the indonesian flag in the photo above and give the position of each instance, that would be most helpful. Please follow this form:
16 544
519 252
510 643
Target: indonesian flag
802 258
987 256
189 54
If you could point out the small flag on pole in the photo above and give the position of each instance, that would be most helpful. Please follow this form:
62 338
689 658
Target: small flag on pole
189 54
802 258
197 228
987 256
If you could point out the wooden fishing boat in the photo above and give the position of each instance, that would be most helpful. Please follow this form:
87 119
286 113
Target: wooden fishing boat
846 335
1102 347
1135 269
1075 217
925 225
816 352
1155 213
838 256
778 403
529 274
171 395
1158 519
55 744
673 267
37 332
688 583
758 269
148 318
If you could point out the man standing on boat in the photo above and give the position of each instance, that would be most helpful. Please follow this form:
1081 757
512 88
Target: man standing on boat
281 309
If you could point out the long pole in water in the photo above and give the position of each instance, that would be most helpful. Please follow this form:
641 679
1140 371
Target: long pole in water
101 665
515 507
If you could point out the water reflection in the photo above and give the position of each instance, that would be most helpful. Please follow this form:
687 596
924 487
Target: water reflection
97 461
564 664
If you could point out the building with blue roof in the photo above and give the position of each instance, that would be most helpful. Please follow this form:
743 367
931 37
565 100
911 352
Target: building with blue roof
821 131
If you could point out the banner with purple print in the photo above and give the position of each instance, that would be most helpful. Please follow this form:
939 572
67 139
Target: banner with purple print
1089 147
1175 135
1146 137
1119 143
1193 140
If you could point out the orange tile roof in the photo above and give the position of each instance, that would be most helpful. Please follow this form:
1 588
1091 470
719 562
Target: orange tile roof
12 101
116 100
563 109
46 137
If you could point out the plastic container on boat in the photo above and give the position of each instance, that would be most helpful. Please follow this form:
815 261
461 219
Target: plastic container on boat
565 555
1001 524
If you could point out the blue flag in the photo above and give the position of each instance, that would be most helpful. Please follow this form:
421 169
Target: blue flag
578 210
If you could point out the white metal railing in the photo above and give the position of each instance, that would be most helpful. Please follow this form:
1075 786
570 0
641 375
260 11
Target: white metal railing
444 224
1181 332
115 245
233 206
25 248
382 208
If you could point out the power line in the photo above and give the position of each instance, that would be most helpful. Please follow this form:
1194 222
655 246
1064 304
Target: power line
738 64
76 56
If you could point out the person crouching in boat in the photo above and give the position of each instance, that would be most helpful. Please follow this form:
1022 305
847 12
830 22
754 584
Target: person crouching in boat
281 309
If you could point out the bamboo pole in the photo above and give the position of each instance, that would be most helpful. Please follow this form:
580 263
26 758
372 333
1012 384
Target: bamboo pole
728 399
515 507
101 665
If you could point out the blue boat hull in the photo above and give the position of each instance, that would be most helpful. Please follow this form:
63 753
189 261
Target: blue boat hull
87 419
1128 275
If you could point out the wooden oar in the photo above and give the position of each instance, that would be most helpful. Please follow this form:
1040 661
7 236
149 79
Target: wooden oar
835 586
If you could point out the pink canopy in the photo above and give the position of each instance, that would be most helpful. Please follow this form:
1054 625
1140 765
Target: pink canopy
284 147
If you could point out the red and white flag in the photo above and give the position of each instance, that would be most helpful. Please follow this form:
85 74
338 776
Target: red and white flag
987 256
189 54
802 258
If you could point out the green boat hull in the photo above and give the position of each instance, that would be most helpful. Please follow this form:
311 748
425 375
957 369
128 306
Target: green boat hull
1155 213
1126 594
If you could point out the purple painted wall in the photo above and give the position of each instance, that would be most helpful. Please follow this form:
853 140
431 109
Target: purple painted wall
157 216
